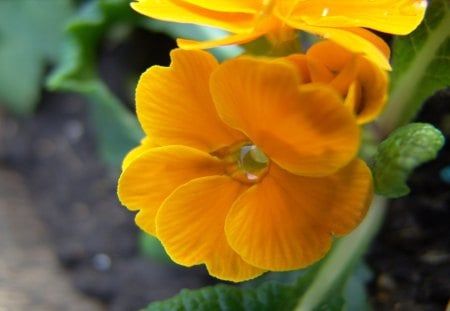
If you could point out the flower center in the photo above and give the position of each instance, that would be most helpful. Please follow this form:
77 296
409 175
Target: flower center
253 162
245 162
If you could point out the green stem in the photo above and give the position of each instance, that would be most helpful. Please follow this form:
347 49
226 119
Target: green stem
399 110
343 256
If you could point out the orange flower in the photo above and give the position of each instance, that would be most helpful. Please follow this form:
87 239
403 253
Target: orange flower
248 170
342 21
362 84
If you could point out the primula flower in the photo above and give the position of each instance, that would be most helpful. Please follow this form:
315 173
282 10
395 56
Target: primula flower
244 168
342 21
362 84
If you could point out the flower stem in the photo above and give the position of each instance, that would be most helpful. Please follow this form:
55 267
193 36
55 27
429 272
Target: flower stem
343 257
402 108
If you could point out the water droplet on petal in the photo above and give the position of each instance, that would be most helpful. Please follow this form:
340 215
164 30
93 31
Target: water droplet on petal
252 177
325 12
422 4
253 162
244 162
414 9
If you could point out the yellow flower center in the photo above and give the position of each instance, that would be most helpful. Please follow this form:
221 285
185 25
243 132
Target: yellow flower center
244 162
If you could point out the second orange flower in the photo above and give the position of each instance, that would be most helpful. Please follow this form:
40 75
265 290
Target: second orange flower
344 22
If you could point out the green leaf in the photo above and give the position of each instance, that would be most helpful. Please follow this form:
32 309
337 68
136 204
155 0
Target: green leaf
116 128
31 34
269 296
421 66
404 150
323 286
84 32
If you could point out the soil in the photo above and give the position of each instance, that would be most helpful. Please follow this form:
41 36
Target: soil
94 237
75 195
411 256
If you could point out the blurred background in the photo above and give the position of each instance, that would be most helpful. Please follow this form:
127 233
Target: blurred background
68 70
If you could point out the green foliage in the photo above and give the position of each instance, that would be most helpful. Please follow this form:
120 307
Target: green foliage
421 66
271 295
268 296
77 70
116 128
30 40
404 150
355 292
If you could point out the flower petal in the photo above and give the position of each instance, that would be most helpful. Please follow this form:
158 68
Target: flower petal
396 17
361 82
247 6
306 130
156 173
174 105
373 82
330 63
330 55
190 225
228 40
301 64
356 40
233 20
287 222
354 96
136 152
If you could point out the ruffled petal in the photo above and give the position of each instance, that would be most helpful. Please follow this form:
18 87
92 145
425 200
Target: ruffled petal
398 17
373 82
184 12
305 129
190 225
353 97
362 83
330 63
156 173
174 105
357 40
301 64
287 222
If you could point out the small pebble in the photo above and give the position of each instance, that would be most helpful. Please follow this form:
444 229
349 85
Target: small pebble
73 130
435 257
385 281
101 262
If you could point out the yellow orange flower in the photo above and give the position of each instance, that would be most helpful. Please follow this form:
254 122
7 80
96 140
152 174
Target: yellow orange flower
342 21
362 84
248 170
